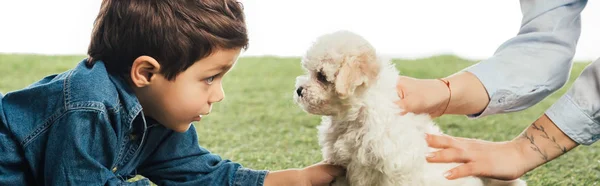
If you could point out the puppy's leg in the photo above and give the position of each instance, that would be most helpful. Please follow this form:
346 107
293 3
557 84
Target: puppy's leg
364 176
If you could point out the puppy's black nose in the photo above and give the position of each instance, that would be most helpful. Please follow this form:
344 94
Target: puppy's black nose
299 91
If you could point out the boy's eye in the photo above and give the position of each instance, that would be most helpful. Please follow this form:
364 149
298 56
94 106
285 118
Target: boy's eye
210 79
321 77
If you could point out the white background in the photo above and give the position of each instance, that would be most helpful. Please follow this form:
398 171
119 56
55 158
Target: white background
407 29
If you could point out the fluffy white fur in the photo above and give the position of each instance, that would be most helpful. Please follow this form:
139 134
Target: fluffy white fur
354 90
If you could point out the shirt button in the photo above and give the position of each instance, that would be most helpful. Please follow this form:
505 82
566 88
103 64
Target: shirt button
114 169
501 100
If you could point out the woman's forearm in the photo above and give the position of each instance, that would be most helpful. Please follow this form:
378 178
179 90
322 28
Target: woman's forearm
541 142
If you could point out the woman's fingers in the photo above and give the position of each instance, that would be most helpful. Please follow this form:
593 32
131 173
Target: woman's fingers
450 155
463 170
400 92
440 141
400 87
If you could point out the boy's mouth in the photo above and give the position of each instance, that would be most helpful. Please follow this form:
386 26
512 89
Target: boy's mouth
198 118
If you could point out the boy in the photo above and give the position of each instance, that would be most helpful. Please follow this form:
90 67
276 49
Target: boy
153 68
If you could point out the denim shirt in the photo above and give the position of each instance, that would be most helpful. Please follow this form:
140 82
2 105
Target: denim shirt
86 127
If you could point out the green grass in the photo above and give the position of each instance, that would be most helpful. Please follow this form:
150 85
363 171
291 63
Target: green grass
259 126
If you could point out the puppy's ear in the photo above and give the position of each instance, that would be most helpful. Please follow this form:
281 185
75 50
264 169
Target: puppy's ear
354 72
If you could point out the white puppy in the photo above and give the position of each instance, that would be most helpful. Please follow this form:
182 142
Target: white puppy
355 90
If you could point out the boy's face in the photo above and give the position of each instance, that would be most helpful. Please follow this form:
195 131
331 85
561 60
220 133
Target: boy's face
177 103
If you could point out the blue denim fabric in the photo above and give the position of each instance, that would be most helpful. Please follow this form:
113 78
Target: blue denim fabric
86 127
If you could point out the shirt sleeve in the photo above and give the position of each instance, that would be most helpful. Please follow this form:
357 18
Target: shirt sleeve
530 66
179 160
13 167
577 113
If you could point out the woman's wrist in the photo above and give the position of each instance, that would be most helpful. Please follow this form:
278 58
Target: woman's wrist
469 96
523 160
542 142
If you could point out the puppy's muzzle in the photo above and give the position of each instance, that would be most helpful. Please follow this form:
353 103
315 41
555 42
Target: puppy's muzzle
299 91
300 81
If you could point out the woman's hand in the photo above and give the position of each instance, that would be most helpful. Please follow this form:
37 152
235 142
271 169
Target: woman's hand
463 94
429 96
541 142
499 160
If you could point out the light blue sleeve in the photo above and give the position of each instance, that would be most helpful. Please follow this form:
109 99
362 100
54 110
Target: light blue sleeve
577 113
535 63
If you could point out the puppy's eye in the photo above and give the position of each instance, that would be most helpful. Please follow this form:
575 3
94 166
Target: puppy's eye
321 77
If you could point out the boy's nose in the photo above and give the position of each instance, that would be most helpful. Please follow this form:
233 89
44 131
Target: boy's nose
299 91
217 96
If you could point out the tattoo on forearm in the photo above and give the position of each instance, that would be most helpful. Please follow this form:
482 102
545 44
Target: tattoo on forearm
563 149
534 147
544 135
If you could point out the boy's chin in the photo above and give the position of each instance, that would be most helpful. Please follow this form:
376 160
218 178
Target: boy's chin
181 128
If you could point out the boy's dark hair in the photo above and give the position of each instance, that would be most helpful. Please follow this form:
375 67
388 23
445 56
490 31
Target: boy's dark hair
174 32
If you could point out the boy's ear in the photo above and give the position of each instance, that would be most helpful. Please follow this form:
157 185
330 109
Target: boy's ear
144 70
